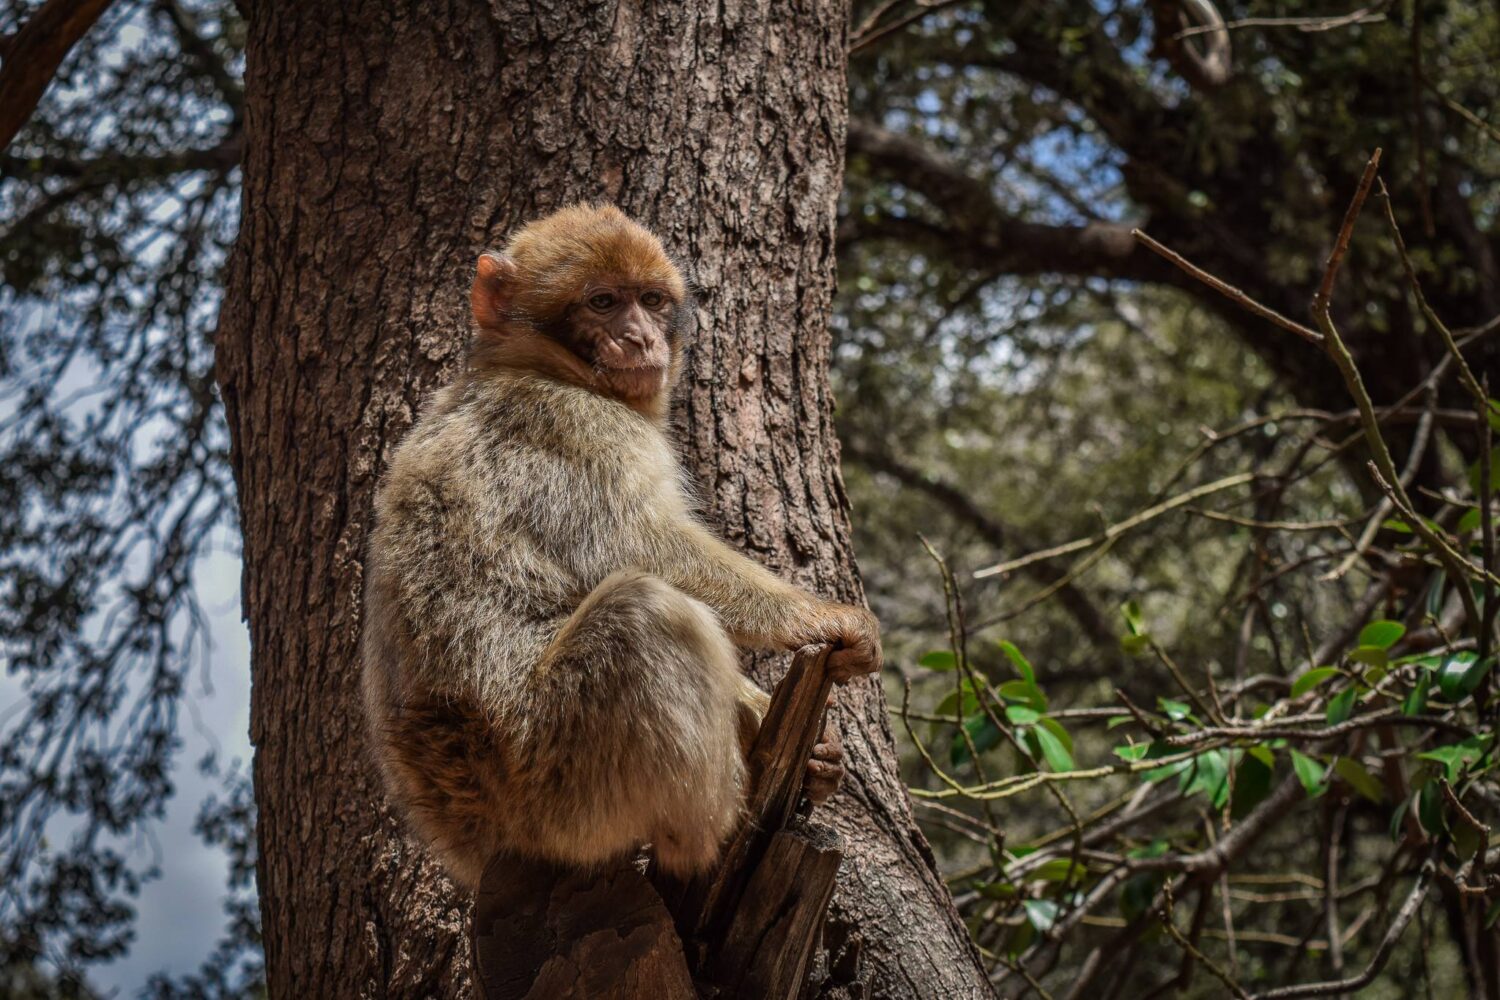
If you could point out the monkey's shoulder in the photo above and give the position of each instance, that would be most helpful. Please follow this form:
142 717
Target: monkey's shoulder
528 449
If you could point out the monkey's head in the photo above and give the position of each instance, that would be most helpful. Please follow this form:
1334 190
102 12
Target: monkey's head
588 296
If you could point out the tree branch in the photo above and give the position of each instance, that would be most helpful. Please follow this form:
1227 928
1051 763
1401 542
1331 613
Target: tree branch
1073 600
34 54
976 230
112 167
1382 952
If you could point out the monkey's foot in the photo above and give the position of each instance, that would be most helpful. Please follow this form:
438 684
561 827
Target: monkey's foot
825 768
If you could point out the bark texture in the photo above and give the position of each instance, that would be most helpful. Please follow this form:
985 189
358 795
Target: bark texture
385 145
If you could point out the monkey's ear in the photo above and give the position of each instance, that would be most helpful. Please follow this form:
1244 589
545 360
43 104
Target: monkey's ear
493 289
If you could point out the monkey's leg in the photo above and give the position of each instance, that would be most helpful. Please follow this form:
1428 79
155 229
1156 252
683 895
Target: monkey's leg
633 729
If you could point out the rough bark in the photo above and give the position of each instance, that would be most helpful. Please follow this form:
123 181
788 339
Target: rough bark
547 933
386 144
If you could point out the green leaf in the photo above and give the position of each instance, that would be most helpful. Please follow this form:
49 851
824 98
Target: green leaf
1136 645
1208 772
1471 520
1263 754
1396 829
1396 525
1174 710
1139 892
1058 870
1465 840
1359 779
1381 634
983 734
1312 679
1028 694
1341 706
1058 731
1461 674
1151 751
1132 612
1158 848
1252 783
1021 715
1002 891
1456 756
1016 944
1494 483
1057 755
949 706
1430 808
1118 720
1310 772
1167 770
1042 913
1374 656
1019 661
1416 702
939 659
1024 690
1435 592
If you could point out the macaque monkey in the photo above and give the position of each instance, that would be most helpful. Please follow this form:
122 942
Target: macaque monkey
550 660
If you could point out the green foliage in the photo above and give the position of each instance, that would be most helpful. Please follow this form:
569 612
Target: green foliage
1002 412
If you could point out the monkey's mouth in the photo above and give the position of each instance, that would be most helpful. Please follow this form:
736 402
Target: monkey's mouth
645 367
639 381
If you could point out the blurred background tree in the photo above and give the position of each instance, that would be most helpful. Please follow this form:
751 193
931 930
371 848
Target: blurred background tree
1013 371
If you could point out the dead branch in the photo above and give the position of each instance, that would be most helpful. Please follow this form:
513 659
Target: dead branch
34 54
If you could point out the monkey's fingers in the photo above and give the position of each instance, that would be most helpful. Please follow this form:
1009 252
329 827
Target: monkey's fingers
848 662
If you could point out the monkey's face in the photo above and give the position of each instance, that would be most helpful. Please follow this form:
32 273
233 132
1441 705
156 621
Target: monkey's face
587 296
625 332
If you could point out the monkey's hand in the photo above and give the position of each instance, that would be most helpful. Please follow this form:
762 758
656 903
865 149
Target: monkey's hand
855 635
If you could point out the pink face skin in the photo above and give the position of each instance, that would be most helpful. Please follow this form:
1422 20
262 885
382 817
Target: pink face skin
622 331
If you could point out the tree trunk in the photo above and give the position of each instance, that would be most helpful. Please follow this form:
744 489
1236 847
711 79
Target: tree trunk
386 144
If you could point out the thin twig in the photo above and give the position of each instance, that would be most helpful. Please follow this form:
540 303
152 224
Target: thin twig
1372 14
1191 951
1382 953
1116 530
930 7
1229 291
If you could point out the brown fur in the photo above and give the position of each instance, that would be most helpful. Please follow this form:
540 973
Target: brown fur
549 646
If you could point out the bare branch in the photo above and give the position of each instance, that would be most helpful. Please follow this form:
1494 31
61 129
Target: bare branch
1229 291
1073 599
975 229
1382 953
1115 530
34 54
1204 68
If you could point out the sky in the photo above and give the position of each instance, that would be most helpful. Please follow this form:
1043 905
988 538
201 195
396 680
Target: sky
180 915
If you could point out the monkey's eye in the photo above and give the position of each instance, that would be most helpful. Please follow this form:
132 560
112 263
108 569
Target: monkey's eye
602 301
653 300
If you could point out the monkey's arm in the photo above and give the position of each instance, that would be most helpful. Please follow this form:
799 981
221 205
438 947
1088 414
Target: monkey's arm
758 608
